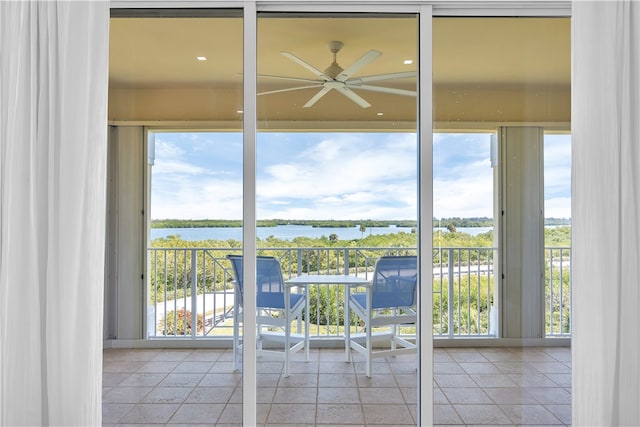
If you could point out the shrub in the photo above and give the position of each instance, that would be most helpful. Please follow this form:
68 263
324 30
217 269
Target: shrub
175 323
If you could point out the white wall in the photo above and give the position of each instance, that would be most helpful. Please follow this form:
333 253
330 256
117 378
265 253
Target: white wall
522 231
124 289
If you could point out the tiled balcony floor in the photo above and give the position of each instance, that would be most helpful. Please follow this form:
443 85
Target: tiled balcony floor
472 386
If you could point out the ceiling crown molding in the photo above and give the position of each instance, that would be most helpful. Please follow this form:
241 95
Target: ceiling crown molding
440 7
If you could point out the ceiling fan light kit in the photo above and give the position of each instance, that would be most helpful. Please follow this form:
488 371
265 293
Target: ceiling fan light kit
335 77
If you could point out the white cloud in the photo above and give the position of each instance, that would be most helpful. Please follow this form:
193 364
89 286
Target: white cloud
557 166
343 176
463 198
466 192
338 166
218 199
557 208
286 172
177 167
353 212
170 159
168 150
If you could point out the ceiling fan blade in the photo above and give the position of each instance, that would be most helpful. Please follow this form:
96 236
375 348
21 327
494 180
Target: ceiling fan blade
353 96
385 90
316 97
287 90
308 66
380 77
360 62
295 79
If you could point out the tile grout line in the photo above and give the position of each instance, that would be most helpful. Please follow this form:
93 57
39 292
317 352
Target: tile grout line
396 371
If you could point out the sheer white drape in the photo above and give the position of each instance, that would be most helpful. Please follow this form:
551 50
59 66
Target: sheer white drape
53 112
606 206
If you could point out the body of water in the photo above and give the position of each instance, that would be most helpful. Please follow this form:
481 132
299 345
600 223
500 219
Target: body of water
289 232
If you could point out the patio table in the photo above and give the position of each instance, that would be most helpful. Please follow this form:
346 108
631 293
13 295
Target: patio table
345 280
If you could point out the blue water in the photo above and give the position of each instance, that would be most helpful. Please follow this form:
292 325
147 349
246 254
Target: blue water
288 232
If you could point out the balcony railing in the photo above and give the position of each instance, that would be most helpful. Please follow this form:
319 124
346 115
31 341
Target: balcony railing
558 291
196 283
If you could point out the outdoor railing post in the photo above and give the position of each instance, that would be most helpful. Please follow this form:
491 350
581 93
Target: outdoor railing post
561 330
306 289
346 262
570 293
299 264
450 292
550 283
194 295
345 294
561 285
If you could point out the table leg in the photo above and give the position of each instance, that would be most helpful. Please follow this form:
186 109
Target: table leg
287 329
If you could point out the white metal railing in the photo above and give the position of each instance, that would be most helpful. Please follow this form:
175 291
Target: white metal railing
181 279
463 292
558 291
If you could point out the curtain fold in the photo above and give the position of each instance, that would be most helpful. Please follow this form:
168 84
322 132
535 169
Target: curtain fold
53 115
606 205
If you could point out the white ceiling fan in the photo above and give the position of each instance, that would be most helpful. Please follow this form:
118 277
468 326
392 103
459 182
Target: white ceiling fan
335 77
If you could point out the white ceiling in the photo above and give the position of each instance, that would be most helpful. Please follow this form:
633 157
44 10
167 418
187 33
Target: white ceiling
154 74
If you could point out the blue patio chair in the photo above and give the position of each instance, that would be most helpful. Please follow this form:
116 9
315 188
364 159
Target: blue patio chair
271 313
389 302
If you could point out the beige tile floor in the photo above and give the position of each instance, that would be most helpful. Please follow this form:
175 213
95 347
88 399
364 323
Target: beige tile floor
472 386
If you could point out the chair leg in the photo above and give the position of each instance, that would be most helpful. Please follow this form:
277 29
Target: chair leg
306 324
236 340
368 343
393 331
287 332
368 331
347 327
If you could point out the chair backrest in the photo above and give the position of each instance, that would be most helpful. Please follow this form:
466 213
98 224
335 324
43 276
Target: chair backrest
269 281
394 282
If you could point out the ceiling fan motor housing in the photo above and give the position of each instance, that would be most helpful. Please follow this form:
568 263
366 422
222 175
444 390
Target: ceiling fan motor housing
334 69
335 46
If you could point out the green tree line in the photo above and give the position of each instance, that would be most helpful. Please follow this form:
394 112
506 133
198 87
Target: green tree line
454 222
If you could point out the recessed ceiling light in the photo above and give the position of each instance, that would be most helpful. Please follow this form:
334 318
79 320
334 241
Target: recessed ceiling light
408 61
380 114
201 58
239 111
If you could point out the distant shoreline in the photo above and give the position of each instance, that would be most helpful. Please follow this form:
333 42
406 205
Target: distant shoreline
325 223
330 223
291 232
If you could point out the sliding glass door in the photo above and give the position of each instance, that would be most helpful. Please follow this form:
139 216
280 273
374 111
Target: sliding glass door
337 185
176 157
502 112
309 145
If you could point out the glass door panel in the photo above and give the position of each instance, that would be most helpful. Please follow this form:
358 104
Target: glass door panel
175 91
557 233
336 190
499 84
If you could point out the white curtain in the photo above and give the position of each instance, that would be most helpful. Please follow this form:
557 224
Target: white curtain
53 112
606 213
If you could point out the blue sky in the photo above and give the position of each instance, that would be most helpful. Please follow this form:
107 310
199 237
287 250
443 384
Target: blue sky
335 176
557 176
